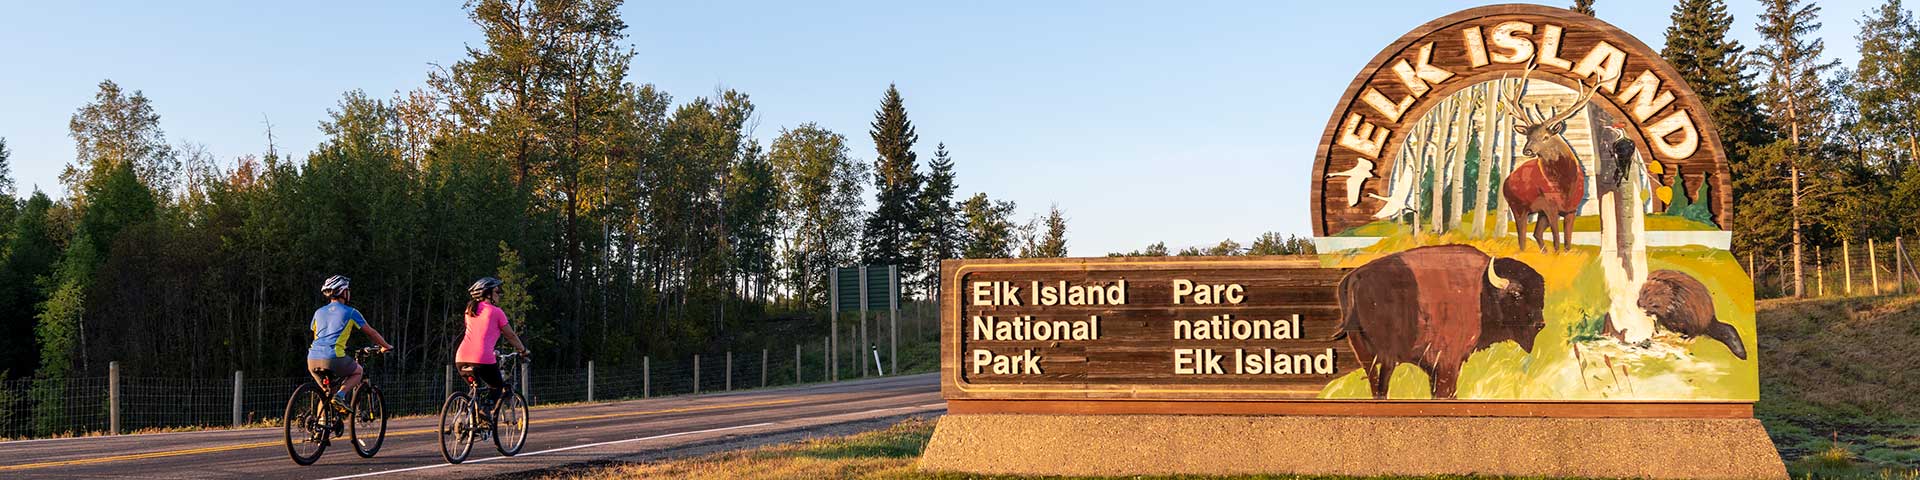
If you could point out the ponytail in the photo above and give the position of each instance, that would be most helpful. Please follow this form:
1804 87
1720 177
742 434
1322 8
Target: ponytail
473 307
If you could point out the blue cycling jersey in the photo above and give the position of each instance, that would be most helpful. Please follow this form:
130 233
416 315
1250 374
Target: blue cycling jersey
330 330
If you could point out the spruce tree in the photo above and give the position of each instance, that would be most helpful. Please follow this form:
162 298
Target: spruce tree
1795 96
938 237
1583 7
896 180
1052 241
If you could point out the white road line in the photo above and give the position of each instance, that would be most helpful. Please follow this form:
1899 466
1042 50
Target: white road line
561 449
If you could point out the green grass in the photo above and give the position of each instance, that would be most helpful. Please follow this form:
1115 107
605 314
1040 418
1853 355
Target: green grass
1837 389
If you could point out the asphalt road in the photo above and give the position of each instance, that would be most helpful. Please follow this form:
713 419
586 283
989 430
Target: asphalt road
559 435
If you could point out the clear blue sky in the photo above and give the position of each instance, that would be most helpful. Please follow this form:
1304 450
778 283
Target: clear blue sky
1184 122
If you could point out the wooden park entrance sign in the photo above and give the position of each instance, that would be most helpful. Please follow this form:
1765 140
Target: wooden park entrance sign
1522 270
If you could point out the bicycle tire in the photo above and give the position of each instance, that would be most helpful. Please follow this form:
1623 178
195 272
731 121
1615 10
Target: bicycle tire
510 410
300 415
456 427
369 407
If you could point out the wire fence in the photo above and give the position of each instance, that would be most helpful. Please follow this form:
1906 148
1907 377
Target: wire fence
1874 267
112 404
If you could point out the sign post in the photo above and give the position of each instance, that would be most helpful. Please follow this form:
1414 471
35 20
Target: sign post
1417 342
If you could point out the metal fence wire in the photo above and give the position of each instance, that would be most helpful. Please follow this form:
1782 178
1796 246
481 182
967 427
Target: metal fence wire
40 408
1878 267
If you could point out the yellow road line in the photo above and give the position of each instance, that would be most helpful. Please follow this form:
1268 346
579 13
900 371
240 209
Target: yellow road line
243 446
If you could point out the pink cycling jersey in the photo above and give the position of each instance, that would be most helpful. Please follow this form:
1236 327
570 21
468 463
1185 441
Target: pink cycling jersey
483 331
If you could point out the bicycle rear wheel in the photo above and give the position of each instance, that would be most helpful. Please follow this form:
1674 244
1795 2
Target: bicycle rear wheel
369 426
456 427
305 424
510 424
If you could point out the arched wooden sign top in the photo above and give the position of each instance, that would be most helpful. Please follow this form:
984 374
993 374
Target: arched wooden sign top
1662 117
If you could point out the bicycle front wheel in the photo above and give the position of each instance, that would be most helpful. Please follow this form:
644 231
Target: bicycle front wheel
510 424
369 426
456 427
305 424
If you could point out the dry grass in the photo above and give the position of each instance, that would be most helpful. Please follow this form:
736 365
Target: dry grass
888 453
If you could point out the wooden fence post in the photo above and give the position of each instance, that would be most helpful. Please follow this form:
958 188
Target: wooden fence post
1873 265
589 380
696 374
796 364
763 367
729 375
646 376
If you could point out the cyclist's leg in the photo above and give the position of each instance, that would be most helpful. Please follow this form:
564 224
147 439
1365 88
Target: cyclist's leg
353 379
349 373
315 367
489 373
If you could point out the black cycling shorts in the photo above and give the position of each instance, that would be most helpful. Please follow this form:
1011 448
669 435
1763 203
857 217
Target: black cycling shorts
488 373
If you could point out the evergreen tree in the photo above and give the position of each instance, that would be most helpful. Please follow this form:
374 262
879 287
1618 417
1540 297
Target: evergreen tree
1716 66
6 173
8 205
896 180
1052 242
1583 7
1795 96
940 228
29 252
990 231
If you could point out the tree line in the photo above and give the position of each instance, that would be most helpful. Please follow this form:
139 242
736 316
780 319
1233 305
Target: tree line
624 221
1822 153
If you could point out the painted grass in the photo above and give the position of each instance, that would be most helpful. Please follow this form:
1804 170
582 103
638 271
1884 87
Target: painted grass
1568 362
1585 223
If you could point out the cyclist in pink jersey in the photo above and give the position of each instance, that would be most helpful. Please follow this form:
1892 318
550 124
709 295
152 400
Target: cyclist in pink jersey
485 325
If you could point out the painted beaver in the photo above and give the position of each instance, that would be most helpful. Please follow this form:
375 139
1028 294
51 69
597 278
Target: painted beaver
1683 305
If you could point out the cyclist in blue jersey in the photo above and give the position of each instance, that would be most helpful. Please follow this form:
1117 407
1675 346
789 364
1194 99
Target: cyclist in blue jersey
332 325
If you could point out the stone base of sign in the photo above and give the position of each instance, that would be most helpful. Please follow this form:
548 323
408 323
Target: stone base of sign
1360 446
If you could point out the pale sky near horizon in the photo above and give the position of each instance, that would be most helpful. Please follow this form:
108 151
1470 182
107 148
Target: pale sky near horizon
1183 122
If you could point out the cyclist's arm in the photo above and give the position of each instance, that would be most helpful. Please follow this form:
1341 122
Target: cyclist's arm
361 322
506 330
375 335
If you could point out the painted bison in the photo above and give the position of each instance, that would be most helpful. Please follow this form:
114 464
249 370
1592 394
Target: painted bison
1433 307
1683 305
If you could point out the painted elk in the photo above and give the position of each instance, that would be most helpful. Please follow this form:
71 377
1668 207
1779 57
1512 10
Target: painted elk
1551 182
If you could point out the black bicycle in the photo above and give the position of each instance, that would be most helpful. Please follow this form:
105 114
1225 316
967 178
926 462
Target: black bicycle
462 423
312 420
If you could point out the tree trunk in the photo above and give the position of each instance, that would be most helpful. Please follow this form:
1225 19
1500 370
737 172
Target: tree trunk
1464 112
1623 235
1489 137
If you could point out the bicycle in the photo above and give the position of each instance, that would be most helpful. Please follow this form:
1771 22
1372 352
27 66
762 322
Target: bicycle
317 420
462 425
